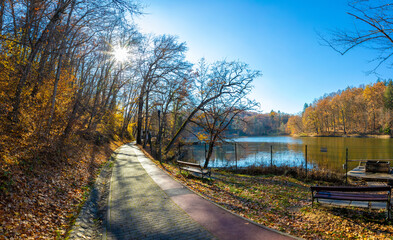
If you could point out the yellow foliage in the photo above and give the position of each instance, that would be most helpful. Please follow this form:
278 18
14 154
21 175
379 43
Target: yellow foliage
202 136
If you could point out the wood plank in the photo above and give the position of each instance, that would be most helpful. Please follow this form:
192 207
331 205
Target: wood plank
351 188
360 172
374 160
352 194
188 163
352 198
191 169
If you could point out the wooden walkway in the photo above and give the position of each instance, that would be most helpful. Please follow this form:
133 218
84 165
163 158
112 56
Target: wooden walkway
360 172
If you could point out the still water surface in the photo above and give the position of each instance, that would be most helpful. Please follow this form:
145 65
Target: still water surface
322 152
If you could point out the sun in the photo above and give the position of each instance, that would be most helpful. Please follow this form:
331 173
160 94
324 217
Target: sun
121 54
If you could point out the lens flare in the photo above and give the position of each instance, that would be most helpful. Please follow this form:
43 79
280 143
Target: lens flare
121 54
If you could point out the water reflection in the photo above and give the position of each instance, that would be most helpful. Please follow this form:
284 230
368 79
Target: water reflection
322 152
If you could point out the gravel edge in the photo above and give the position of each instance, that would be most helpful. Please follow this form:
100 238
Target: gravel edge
91 221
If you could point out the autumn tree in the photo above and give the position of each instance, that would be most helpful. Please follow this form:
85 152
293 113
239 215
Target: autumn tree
227 103
160 57
358 110
54 51
295 125
218 80
170 100
372 30
373 95
388 96
310 120
388 104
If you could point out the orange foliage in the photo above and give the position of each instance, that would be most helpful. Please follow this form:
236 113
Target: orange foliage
352 111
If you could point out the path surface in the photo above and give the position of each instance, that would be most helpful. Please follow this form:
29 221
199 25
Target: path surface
146 203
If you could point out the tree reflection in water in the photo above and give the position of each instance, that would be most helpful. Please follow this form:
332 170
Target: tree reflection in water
323 152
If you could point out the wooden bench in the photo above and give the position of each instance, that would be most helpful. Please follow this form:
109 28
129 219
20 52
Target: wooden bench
349 193
193 167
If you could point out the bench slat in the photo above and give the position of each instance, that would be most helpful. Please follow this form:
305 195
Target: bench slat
193 167
351 189
376 198
350 193
189 164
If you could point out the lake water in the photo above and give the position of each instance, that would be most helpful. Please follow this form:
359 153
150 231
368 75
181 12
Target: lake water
322 152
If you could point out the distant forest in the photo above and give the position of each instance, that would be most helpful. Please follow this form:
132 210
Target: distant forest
355 110
261 124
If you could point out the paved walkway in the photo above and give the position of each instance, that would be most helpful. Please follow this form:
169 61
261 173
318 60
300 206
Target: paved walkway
146 203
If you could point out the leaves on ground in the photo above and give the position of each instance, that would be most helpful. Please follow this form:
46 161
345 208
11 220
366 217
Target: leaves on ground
284 203
46 198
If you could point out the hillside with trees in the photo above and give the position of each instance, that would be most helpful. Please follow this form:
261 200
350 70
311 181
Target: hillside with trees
78 79
78 76
356 110
261 124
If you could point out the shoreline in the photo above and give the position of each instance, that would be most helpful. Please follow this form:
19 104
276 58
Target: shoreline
344 136
384 136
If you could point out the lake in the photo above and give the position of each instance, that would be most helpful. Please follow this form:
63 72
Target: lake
322 152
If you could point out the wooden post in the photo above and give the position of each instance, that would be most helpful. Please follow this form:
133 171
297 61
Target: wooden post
271 156
205 150
346 166
306 160
159 137
236 155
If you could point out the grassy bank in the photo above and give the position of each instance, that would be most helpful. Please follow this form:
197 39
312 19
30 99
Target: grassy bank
40 199
283 202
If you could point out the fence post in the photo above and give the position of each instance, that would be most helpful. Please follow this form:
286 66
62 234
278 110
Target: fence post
205 151
236 155
346 166
306 160
271 156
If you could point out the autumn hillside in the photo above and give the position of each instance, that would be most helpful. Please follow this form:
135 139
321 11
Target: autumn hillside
76 80
60 112
364 110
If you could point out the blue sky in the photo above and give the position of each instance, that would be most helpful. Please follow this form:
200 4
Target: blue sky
279 38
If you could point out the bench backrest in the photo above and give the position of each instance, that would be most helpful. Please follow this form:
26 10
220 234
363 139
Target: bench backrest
189 164
351 189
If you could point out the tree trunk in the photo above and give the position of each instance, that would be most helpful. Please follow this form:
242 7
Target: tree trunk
140 120
2 6
374 121
58 71
72 119
140 112
53 104
210 150
146 119
208 155
14 115
185 123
